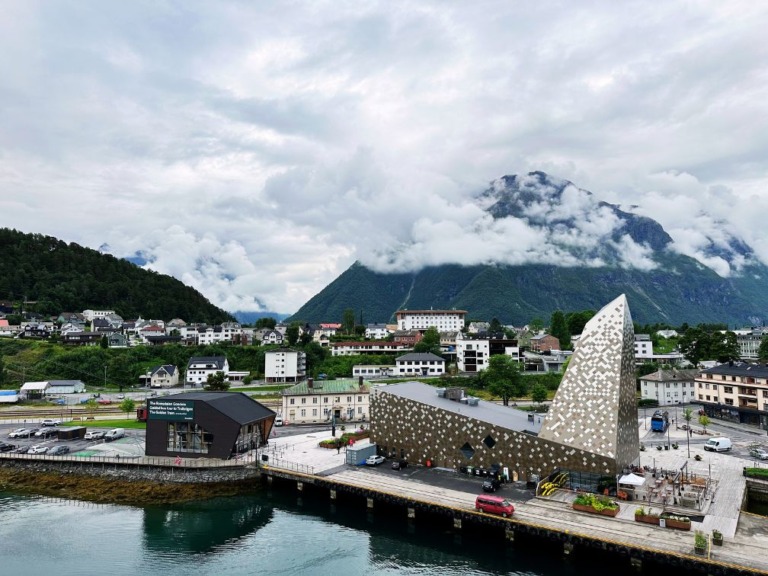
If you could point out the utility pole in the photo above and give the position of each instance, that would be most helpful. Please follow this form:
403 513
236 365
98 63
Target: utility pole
105 377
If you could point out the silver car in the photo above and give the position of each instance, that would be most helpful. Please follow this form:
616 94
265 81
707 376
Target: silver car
759 453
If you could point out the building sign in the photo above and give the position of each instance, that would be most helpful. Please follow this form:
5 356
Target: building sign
175 410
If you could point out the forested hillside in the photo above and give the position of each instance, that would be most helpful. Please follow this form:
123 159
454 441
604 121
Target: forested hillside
61 277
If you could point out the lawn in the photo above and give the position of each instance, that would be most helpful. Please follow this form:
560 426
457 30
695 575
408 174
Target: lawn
117 423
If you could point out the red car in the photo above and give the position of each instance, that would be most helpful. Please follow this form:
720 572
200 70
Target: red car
105 401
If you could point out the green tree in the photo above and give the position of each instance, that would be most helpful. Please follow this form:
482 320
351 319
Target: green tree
127 405
694 344
2 371
704 422
348 321
762 352
104 342
292 333
536 325
266 323
559 329
430 342
503 378
539 393
217 382
495 326
577 320
725 347
91 406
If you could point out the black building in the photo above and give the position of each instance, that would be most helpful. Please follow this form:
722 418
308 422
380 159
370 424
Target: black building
206 424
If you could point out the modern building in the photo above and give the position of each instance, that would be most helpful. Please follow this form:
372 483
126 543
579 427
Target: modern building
285 365
419 364
737 392
590 431
472 354
206 425
643 347
315 401
65 387
443 320
373 370
200 367
669 387
749 340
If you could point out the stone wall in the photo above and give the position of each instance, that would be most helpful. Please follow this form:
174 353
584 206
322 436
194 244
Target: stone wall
134 473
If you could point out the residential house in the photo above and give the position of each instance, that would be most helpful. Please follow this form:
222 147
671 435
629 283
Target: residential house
373 370
165 376
89 315
200 367
117 340
667 333
326 401
477 327
376 332
70 318
443 320
272 337
419 364
544 343
285 365
407 338
669 387
367 347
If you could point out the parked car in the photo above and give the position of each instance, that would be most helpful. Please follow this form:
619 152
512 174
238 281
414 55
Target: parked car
94 435
491 485
20 450
19 433
278 420
37 449
494 505
50 422
7 447
758 453
399 464
58 450
121 396
47 432
104 401
374 460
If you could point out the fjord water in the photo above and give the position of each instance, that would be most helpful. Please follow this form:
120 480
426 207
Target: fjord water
265 534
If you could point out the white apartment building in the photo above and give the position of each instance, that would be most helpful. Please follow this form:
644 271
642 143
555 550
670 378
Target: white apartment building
285 365
372 370
376 331
473 355
419 364
669 387
643 346
443 320
372 347
89 315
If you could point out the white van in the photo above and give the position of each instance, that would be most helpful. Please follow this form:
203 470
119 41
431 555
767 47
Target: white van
278 420
114 434
718 445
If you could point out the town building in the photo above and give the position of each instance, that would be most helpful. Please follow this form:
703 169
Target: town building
373 370
443 320
65 387
314 401
376 332
544 343
165 376
669 387
643 347
367 347
737 392
749 340
472 355
206 425
200 367
419 364
285 365
89 315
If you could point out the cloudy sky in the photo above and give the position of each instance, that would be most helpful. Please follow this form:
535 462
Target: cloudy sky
254 150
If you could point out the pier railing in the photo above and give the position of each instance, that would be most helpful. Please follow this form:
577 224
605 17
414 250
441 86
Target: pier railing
138 461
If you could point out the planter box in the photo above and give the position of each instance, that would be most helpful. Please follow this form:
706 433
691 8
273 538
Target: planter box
589 509
717 542
647 519
676 524
700 551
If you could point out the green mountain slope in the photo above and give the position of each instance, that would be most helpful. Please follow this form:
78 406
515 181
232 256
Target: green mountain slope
682 292
63 277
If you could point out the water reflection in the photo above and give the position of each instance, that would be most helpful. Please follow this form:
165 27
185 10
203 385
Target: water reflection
203 527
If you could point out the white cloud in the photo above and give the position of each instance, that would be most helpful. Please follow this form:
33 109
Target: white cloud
256 150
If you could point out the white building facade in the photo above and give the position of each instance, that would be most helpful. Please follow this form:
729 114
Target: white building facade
285 365
443 320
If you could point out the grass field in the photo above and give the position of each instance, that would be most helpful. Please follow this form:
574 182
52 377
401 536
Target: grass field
131 423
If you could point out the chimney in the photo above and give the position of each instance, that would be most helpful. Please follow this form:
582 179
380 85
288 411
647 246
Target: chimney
310 383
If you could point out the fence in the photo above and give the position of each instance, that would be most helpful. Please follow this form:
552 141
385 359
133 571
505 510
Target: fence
138 461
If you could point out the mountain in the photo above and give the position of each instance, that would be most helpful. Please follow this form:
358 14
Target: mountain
586 252
63 277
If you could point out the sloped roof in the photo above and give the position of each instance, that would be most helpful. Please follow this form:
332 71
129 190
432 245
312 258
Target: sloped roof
35 386
325 387
419 357
235 405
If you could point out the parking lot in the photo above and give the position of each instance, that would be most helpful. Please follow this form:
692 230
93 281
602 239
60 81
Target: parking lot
126 447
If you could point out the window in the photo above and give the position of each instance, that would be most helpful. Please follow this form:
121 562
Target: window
359 398
314 400
303 412
325 400
314 411
728 389
729 401
292 401
359 409
188 437
349 398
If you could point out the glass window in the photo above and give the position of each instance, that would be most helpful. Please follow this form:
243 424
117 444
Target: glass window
303 400
188 437
292 401
314 411
303 412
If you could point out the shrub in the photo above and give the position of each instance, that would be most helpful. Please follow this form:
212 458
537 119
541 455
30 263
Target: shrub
699 539
597 502
757 472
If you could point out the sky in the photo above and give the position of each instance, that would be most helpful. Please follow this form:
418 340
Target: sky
255 150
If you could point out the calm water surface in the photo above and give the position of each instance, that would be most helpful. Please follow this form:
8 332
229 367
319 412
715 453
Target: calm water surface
266 534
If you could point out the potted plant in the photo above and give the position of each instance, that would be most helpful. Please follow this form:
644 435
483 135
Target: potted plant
717 538
700 543
647 517
676 522
675 446
697 457
595 504
658 447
